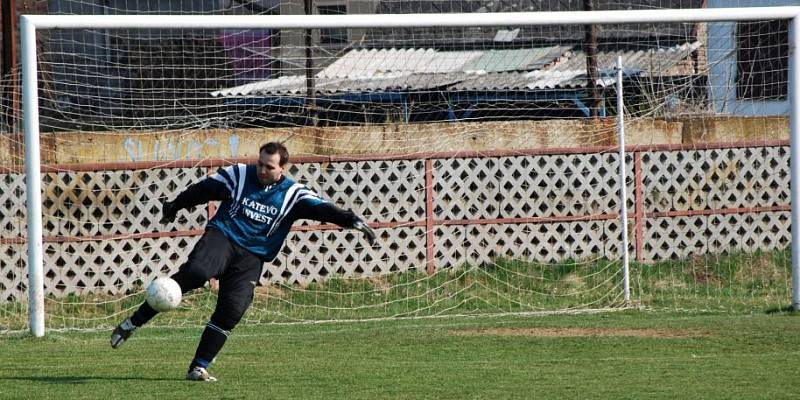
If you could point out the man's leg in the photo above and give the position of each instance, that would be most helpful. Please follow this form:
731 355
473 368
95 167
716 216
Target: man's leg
236 288
208 258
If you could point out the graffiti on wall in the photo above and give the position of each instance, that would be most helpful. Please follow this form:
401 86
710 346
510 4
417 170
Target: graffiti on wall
190 148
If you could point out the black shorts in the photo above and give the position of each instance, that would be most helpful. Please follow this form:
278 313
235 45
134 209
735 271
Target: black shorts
215 256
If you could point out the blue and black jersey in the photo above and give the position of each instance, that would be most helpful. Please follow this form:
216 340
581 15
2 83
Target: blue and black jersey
255 217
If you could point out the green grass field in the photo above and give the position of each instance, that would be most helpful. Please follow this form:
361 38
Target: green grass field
711 328
732 283
618 355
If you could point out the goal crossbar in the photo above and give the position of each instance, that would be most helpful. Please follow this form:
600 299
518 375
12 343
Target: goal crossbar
30 23
406 20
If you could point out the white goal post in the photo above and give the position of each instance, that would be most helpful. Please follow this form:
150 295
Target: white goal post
30 23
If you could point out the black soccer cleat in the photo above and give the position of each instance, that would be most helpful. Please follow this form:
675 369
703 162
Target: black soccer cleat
122 332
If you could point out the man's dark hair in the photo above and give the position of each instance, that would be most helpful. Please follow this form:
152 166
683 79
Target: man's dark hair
275 147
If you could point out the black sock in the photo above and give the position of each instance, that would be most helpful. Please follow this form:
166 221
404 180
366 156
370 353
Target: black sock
143 314
210 344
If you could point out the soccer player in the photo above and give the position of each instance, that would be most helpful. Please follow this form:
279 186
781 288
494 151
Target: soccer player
259 206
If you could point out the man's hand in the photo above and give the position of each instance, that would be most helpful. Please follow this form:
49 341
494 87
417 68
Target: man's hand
366 230
168 212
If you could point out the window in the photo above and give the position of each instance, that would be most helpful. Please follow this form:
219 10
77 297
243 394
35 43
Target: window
762 60
333 35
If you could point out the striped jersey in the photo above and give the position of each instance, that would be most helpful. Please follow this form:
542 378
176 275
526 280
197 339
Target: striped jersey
255 217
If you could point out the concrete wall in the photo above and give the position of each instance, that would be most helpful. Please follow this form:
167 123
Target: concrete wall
92 147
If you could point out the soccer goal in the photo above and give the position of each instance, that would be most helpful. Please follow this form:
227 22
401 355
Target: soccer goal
511 163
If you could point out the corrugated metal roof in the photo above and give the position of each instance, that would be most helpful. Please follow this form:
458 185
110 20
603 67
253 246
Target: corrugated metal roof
388 70
570 71
515 60
388 82
392 69
366 63
287 84
296 84
508 80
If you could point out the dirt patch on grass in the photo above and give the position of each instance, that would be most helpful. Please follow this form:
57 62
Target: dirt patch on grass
381 284
270 291
761 272
698 269
580 332
669 284
573 281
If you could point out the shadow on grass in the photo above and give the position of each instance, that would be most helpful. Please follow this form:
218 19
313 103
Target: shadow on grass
782 310
81 379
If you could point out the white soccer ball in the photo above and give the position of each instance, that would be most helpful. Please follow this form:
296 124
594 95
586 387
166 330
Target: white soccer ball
163 294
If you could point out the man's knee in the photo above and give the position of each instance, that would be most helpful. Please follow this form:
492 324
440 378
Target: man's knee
228 315
189 278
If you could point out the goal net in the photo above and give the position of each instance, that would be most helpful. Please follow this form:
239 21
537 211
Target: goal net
485 156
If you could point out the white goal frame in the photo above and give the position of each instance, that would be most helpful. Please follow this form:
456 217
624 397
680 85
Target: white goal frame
30 23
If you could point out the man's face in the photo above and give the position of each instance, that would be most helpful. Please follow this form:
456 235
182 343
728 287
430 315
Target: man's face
268 168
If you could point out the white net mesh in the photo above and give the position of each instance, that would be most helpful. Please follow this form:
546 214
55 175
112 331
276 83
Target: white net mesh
484 156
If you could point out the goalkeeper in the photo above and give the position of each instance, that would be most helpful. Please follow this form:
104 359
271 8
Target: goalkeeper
259 206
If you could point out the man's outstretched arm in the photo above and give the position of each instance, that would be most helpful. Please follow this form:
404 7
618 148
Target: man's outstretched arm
328 213
201 192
